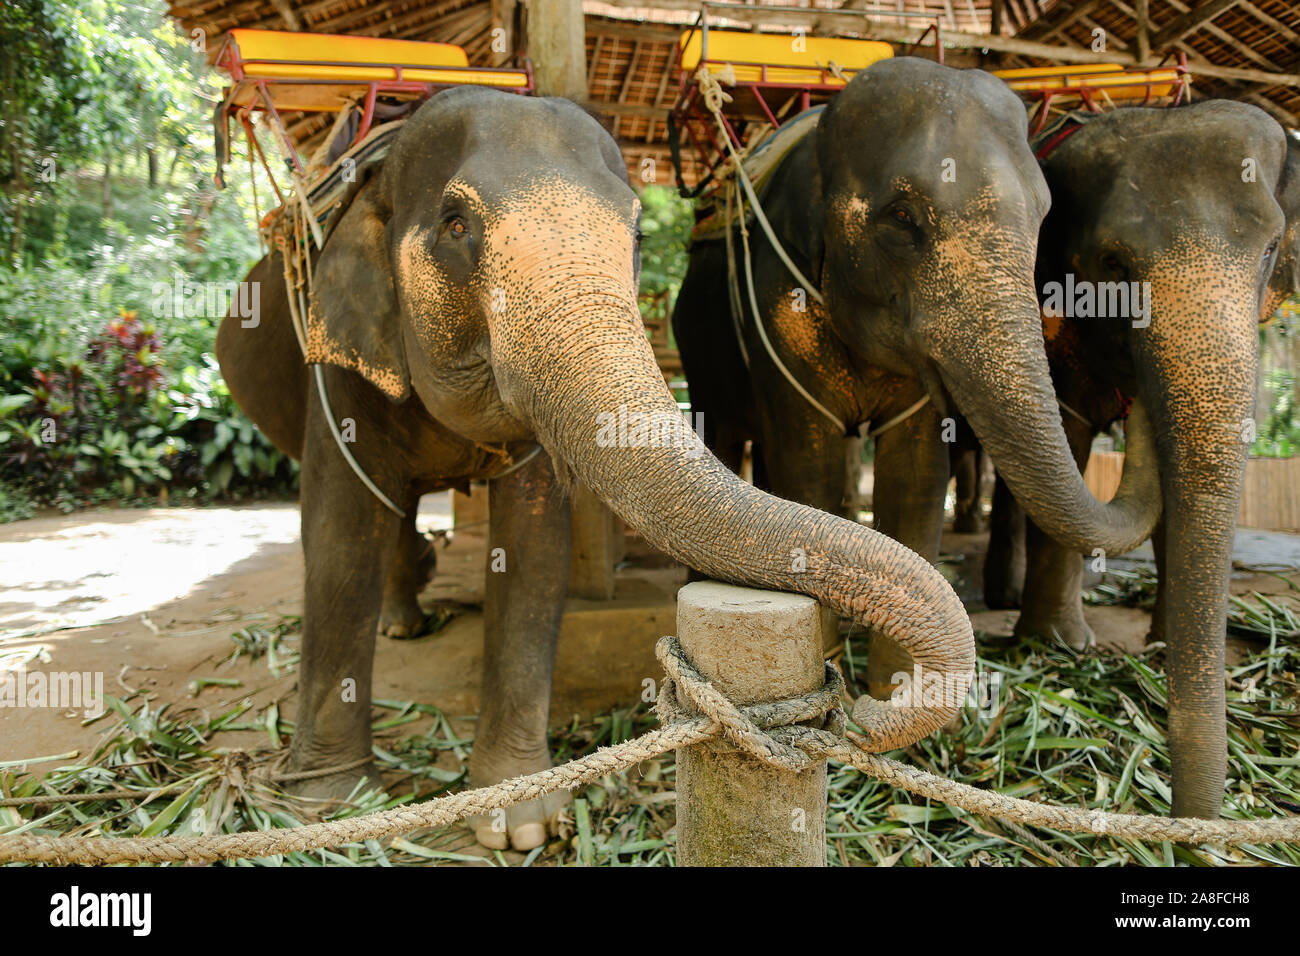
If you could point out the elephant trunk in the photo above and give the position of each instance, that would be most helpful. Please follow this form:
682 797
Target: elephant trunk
1002 385
1199 357
593 392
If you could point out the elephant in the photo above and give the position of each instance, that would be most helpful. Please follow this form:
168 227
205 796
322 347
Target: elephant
476 294
1180 208
914 205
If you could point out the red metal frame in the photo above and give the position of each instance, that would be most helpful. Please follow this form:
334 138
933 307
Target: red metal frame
1087 94
229 59
690 113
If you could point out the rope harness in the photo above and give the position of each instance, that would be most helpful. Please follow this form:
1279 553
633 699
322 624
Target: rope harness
692 711
715 97
740 190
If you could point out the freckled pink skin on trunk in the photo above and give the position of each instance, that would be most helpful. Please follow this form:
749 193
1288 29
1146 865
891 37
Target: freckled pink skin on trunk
1200 356
568 345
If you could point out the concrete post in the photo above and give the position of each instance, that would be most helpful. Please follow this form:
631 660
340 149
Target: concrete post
733 810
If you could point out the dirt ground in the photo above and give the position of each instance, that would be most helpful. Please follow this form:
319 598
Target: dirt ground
150 598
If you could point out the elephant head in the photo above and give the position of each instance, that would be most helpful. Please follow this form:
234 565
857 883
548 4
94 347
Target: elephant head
1285 281
926 246
489 271
1179 206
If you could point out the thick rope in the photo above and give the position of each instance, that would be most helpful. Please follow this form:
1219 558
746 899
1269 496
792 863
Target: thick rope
768 732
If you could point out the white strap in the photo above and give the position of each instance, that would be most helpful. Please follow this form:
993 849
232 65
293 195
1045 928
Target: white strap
900 417
338 440
512 468
762 333
1067 408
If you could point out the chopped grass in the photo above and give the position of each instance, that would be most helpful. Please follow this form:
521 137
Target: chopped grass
1085 730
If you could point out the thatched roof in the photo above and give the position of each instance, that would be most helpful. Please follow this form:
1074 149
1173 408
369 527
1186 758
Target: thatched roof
1245 49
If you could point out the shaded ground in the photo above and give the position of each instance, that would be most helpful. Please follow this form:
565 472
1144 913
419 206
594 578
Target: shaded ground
171 586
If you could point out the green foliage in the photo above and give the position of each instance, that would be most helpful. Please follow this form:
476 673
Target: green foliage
1279 435
105 164
666 222
15 505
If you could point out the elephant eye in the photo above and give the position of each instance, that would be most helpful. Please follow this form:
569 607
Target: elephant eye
903 216
458 228
1115 266
1268 253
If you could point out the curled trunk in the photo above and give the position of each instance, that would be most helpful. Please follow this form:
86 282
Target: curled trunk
598 371
1004 389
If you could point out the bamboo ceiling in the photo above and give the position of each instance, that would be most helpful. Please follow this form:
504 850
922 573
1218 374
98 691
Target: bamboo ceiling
630 43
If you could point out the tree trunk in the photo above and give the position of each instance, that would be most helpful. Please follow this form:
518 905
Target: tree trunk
106 195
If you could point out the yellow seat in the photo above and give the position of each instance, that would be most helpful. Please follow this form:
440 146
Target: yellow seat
342 60
1051 72
781 58
1119 84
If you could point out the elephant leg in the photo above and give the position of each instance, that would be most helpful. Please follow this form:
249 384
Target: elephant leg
968 517
347 537
527 576
911 477
800 460
759 467
1052 603
1004 562
411 567
1157 632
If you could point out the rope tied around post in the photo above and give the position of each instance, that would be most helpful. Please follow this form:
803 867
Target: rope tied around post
747 727
770 732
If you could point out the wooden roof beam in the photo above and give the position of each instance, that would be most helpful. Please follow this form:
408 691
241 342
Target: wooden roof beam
1285 117
1221 34
286 12
1046 27
1277 26
633 30
981 41
1189 22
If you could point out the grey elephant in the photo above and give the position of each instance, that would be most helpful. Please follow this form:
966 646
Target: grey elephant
1169 219
913 207
478 294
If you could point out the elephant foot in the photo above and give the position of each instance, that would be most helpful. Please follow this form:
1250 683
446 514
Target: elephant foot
401 619
1071 629
969 522
334 787
524 826
1001 596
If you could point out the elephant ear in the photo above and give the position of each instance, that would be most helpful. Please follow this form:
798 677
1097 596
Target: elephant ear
807 236
353 318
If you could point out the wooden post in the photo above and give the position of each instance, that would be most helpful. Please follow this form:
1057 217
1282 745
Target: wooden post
502 45
557 45
595 547
470 510
1143 37
733 810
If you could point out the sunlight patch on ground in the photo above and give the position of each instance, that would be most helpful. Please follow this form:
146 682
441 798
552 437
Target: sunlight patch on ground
80 569
90 567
